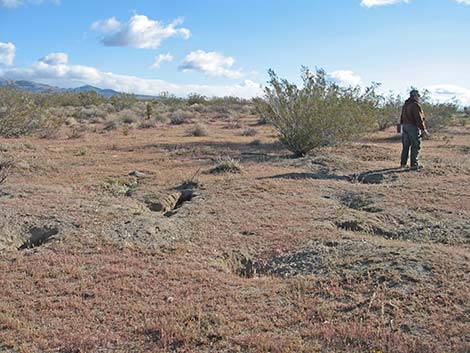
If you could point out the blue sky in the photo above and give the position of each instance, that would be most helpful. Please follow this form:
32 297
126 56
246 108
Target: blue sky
217 47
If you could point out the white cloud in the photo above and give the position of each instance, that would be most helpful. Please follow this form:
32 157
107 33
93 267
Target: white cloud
111 25
447 92
161 58
138 32
372 3
54 69
466 2
17 3
55 59
7 53
344 78
210 63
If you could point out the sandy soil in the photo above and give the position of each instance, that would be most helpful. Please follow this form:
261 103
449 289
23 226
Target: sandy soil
336 252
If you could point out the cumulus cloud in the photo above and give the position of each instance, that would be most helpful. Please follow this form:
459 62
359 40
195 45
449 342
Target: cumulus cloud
161 58
54 69
344 78
138 32
7 53
448 92
210 63
372 3
55 59
111 25
17 3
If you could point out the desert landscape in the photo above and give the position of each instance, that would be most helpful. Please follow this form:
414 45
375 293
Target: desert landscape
234 176
199 232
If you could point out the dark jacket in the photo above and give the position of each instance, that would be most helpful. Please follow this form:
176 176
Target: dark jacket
412 113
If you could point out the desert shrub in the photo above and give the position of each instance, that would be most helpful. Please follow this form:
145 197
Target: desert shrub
180 117
195 98
110 125
127 116
318 113
249 132
198 130
149 110
438 114
92 114
20 115
199 108
256 143
147 124
221 110
5 166
234 123
75 132
389 112
226 164
123 101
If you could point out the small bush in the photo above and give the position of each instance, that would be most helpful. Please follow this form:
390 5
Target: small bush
110 125
198 130
180 117
91 114
256 143
5 166
249 132
20 115
127 116
234 123
75 133
226 165
146 124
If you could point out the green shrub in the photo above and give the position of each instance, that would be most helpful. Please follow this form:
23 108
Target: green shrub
438 114
318 113
180 117
198 130
226 164
389 112
123 101
20 115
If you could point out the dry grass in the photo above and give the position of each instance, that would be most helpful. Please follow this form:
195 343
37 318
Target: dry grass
121 278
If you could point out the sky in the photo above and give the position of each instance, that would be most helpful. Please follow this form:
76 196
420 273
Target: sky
225 47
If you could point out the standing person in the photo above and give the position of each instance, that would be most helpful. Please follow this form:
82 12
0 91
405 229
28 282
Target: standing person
413 127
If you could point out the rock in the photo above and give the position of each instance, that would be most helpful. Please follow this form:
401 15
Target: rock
163 205
137 174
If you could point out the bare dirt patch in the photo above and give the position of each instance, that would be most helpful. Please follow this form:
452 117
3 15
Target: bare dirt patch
290 255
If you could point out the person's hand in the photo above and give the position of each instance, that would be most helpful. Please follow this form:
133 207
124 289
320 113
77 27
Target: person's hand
426 132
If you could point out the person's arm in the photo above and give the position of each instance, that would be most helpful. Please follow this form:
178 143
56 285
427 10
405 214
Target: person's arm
418 115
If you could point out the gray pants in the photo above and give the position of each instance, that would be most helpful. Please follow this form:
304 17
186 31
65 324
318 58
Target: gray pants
411 138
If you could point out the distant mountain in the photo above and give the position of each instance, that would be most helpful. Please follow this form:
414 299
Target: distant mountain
102 92
30 86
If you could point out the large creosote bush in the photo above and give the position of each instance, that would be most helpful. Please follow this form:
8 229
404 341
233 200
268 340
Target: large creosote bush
318 113
20 115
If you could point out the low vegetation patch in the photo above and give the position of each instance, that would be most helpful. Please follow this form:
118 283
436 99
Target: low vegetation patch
198 130
226 164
